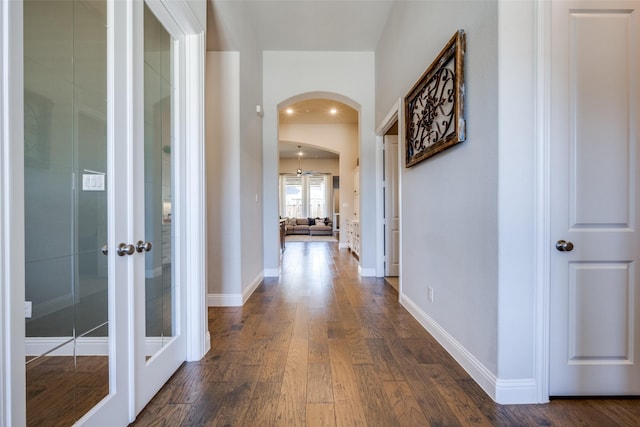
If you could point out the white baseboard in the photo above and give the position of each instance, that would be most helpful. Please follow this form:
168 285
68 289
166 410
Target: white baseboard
516 391
367 272
251 288
224 300
84 346
271 272
207 342
234 300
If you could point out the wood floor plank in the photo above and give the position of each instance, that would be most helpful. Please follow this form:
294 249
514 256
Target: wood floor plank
318 341
625 412
387 367
319 385
293 395
358 347
578 412
348 406
430 400
256 352
321 415
262 408
404 404
461 404
273 365
162 415
376 405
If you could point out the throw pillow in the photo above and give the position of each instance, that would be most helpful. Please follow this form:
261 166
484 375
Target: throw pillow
326 221
291 221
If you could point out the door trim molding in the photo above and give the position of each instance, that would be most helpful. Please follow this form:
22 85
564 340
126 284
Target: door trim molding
197 333
543 195
12 368
394 114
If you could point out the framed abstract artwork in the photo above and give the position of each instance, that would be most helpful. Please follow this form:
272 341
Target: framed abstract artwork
434 107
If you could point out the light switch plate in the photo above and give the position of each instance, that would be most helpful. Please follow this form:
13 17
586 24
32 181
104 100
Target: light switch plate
27 309
92 182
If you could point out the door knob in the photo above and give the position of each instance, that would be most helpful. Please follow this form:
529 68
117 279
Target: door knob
143 246
124 249
564 246
105 249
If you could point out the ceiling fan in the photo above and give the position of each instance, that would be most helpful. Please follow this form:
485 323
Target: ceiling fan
300 172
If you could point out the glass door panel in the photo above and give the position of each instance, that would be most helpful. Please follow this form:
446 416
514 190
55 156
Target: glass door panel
158 137
66 275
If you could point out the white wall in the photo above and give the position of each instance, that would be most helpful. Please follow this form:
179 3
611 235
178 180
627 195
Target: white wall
470 234
520 209
223 172
228 33
251 168
340 138
349 76
450 201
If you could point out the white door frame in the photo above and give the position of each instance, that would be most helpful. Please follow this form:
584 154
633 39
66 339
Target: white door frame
193 188
395 114
542 28
12 368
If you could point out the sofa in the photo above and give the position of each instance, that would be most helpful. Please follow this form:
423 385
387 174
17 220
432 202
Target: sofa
309 226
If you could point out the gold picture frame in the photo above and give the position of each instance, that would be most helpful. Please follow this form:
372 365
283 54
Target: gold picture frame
434 107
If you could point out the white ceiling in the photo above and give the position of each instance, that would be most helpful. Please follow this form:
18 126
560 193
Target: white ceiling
312 25
318 111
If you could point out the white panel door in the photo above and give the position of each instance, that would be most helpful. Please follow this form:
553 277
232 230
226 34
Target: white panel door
391 208
594 297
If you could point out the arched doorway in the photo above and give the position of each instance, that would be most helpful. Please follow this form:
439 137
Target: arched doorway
318 137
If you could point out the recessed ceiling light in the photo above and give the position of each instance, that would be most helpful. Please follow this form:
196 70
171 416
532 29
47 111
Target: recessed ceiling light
289 111
333 111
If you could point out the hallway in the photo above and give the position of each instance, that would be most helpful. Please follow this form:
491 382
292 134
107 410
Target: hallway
321 346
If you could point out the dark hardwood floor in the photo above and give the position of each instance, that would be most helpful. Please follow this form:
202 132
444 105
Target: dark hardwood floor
321 346
61 389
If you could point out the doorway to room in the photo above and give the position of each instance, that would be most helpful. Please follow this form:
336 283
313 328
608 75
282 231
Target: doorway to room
318 145
391 206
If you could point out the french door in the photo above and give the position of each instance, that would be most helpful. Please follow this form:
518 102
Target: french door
160 345
111 143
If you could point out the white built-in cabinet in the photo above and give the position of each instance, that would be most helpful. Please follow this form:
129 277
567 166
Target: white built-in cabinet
356 192
353 236
353 225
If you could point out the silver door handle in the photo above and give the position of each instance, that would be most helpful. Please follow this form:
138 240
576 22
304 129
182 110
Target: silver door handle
564 246
124 249
105 249
143 246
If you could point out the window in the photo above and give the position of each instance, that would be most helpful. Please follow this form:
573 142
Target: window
305 196
293 197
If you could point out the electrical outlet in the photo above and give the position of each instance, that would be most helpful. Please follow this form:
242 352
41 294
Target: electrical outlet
27 309
430 293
